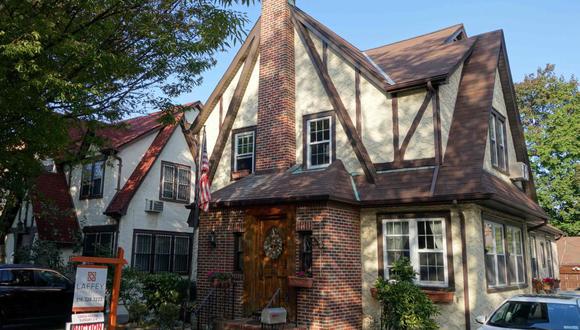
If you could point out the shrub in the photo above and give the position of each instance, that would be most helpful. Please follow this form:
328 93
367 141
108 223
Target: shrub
137 312
167 315
405 306
164 288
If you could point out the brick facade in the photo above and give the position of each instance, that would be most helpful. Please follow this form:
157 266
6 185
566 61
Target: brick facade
335 300
275 136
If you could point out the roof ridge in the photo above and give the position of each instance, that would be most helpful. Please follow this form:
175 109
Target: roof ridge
419 36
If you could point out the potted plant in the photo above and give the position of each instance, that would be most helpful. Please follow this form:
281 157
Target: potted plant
550 284
538 285
300 280
220 279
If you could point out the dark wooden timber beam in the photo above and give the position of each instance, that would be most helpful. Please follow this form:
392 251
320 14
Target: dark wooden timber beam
233 107
415 124
228 76
340 109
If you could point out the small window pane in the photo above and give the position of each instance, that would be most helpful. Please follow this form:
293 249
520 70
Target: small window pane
183 184
162 253
168 181
181 258
143 252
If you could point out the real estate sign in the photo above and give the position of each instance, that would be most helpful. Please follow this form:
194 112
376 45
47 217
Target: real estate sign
87 321
90 288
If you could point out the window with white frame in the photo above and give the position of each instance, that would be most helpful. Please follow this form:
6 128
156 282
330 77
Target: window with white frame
516 272
495 256
244 151
497 139
319 142
533 256
423 242
161 251
175 182
549 258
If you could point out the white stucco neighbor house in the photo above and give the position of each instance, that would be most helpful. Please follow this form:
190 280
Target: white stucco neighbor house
129 192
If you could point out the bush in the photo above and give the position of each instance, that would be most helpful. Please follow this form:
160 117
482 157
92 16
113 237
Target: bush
163 288
405 306
137 312
167 315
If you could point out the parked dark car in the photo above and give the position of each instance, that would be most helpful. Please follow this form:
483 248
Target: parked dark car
34 295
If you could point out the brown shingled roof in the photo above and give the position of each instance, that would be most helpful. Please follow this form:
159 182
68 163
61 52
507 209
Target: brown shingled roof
430 56
331 183
53 209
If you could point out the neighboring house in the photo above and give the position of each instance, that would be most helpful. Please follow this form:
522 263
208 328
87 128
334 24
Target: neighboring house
130 193
336 162
569 261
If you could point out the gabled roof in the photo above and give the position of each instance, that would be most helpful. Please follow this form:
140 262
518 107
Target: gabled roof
428 57
53 209
332 183
117 135
120 202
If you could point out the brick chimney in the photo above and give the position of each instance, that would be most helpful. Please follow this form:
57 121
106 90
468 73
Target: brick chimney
276 136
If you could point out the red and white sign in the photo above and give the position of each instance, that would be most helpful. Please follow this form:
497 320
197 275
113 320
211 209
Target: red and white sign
90 288
85 326
87 318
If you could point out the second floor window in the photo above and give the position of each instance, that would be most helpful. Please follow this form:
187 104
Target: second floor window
92 179
175 182
244 152
498 141
319 142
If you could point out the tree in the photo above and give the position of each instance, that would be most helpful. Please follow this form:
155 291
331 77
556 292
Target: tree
66 61
79 63
550 110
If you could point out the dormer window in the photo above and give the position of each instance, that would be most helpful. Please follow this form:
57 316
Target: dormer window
319 140
498 141
92 179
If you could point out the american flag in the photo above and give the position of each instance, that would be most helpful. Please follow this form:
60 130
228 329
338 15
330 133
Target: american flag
204 186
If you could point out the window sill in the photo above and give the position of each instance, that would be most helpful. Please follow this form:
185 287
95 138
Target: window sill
507 288
174 201
237 175
443 296
440 297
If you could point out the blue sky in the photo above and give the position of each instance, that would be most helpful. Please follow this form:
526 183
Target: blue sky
537 31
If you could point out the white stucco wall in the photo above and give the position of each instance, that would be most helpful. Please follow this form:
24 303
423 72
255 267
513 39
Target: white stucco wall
422 143
174 215
376 122
499 106
447 98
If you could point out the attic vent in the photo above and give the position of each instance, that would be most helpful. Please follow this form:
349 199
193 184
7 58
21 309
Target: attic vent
153 206
459 35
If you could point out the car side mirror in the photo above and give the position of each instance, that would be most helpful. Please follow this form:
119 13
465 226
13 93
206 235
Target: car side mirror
480 319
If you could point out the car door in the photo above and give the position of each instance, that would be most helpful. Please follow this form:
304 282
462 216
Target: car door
57 290
16 295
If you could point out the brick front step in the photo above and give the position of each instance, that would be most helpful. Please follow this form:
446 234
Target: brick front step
251 324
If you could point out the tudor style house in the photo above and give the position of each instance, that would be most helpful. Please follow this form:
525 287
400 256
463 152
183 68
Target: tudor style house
130 192
336 162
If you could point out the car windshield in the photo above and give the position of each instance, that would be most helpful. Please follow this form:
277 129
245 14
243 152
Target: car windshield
536 315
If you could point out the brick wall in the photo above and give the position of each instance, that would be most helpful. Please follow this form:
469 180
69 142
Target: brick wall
275 136
335 300
225 223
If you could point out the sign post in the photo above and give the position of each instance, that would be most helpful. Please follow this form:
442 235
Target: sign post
90 287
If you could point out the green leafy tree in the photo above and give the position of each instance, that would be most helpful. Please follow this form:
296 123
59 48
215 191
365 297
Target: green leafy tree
550 110
63 62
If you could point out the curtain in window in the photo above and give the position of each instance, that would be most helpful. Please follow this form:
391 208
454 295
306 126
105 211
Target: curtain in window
397 242
431 263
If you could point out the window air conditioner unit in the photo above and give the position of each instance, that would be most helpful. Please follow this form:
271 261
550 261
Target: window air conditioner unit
153 206
520 172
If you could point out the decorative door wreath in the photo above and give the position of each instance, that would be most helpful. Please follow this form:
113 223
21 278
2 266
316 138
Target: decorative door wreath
273 244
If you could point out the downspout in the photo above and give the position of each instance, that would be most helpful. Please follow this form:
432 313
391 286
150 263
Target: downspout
119 170
462 224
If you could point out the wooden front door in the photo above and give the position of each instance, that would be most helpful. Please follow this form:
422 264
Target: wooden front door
269 258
